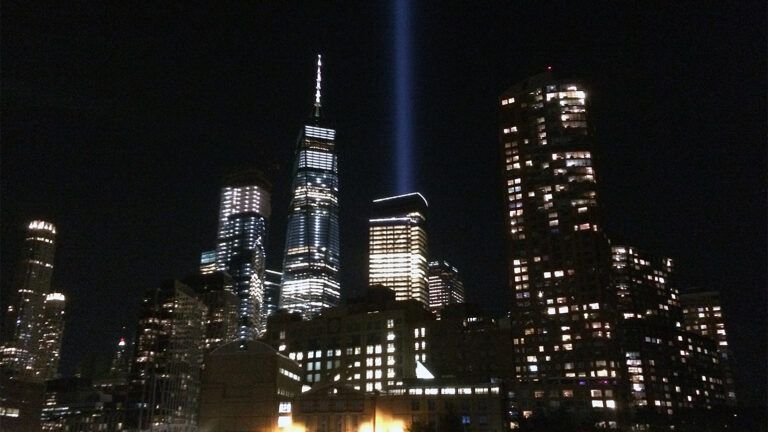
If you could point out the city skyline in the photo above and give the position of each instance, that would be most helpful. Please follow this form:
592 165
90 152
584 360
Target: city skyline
637 154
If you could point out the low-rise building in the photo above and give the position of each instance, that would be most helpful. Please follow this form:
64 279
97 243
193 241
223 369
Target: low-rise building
247 386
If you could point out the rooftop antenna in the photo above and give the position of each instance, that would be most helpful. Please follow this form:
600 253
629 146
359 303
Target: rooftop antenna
318 87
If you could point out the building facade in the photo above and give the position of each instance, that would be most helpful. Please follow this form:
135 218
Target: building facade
563 314
397 246
367 343
25 314
216 291
418 405
703 314
247 386
643 284
272 283
51 332
241 247
445 286
310 280
165 374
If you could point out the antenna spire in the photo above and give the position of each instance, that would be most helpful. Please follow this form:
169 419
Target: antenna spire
318 87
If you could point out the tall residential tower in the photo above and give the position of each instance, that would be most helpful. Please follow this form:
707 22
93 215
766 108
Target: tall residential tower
310 279
559 259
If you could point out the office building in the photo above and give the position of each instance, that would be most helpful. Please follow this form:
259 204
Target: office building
445 286
247 386
310 280
24 315
397 246
165 374
368 343
216 291
703 314
563 314
241 248
51 331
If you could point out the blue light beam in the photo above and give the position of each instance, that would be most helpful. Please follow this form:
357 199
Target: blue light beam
403 98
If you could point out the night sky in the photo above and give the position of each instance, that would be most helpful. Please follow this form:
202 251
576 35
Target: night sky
118 125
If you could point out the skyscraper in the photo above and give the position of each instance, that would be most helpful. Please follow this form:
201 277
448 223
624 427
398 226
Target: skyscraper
241 247
559 259
397 246
24 316
311 264
445 286
165 375
51 331
216 291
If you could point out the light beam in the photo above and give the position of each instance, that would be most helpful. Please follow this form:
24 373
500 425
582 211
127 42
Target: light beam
403 98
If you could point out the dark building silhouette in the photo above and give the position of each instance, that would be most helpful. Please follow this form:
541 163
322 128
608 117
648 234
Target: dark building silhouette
247 386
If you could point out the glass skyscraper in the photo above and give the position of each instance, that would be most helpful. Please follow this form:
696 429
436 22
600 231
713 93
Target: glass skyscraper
310 280
241 247
397 246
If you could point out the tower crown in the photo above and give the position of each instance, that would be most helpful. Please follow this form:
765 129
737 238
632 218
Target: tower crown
318 88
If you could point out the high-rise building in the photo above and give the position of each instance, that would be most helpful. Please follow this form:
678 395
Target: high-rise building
241 248
397 246
311 264
643 285
25 313
563 313
703 314
445 286
647 330
51 331
165 374
216 291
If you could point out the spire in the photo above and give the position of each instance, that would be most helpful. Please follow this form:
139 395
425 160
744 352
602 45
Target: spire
318 81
